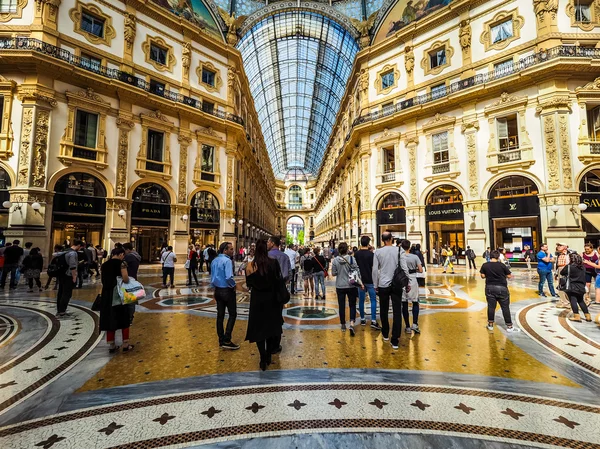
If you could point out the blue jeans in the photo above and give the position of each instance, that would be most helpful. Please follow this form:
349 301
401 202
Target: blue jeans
362 294
546 275
319 280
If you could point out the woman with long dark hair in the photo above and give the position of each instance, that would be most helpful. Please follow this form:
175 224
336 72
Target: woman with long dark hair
264 318
116 317
575 288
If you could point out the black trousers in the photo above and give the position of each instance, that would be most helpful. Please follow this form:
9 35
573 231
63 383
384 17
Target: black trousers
65 291
352 294
495 294
168 271
472 263
293 280
576 299
192 271
37 282
12 270
225 298
266 347
385 295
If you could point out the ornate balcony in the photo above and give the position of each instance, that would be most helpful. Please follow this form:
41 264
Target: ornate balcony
510 159
589 151
444 170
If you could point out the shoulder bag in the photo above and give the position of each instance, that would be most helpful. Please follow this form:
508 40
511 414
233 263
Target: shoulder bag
400 280
281 291
564 282
322 267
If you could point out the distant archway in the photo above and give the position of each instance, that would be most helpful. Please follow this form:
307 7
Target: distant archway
295 231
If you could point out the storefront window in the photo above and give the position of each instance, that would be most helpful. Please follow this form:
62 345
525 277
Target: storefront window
151 193
512 186
392 201
205 208
445 222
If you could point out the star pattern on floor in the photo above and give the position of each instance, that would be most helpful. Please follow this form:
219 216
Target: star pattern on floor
510 412
110 429
211 412
163 419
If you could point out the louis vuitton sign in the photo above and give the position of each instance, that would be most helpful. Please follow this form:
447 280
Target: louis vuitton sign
520 206
391 216
444 212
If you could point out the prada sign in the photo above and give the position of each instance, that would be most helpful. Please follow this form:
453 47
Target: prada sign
391 216
78 204
592 200
445 212
151 211
520 206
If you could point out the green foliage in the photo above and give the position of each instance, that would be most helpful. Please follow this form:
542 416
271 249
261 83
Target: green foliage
289 239
301 237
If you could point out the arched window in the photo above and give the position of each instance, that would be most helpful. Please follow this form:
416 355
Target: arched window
295 198
590 182
512 186
445 194
205 208
151 193
80 184
4 186
391 201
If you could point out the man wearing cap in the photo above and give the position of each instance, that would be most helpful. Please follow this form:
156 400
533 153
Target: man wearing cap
562 251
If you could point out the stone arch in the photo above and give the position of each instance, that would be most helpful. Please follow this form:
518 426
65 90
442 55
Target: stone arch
432 187
210 190
11 174
583 172
485 191
382 194
159 182
66 171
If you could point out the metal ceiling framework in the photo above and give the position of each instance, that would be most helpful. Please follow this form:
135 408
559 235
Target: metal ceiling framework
298 63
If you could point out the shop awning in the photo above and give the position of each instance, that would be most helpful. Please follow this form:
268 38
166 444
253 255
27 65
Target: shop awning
594 220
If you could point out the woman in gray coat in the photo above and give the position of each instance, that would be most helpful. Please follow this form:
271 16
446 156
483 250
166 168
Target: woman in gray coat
347 282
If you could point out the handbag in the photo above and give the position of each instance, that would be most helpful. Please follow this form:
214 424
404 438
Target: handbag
322 268
186 265
97 303
400 280
281 291
131 291
564 281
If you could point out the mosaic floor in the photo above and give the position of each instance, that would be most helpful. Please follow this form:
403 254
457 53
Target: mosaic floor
454 385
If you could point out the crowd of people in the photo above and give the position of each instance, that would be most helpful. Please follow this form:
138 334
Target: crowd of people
390 275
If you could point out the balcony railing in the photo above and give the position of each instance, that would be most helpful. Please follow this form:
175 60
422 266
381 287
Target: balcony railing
562 51
594 147
388 177
31 44
440 168
82 153
509 156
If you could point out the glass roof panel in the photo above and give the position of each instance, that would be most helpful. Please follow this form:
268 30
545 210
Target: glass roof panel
298 63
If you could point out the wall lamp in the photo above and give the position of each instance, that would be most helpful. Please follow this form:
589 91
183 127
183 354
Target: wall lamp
184 218
122 214
554 208
581 207
232 221
472 214
411 219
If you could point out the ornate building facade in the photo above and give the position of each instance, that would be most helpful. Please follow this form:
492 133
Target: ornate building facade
476 125
123 122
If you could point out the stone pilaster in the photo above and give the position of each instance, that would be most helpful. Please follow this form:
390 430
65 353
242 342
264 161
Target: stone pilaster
125 126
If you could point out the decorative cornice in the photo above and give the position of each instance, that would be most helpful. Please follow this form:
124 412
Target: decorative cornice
89 94
563 102
33 95
594 85
467 125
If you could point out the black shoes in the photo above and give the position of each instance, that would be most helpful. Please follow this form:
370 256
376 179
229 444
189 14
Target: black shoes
277 350
230 345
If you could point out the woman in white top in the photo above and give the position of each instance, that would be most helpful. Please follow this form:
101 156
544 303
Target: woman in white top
414 268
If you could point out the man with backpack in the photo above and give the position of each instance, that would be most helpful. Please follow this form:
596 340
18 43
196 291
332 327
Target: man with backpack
65 267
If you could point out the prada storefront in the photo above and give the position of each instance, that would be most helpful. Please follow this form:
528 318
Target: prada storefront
590 196
204 219
444 216
391 216
514 211
150 218
79 210
4 196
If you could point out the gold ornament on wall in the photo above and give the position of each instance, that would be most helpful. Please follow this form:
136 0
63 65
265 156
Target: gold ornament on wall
364 27
159 42
218 80
503 16
232 23
409 59
464 35
551 153
26 131
40 148
129 31
76 14
436 46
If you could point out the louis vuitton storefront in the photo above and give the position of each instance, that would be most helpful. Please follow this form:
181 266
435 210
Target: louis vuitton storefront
391 216
514 212
79 210
444 216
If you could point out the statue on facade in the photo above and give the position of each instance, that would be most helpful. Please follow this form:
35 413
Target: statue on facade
409 59
464 35
129 30
364 27
233 23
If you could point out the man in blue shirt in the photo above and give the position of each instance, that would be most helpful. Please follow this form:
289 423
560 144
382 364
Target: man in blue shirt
544 269
286 268
221 277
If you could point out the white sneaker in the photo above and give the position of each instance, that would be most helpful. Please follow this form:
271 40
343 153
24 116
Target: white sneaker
408 330
386 338
394 346
513 329
490 327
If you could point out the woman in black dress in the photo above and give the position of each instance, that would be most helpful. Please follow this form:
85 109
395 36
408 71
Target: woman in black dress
114 317
264 318
575 272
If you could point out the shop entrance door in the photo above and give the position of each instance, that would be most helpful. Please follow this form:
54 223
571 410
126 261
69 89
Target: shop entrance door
149 243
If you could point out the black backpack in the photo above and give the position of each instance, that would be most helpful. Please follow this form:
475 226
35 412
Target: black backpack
400 280
58 265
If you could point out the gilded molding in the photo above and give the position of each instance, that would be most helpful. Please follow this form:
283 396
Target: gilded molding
7 90
545 7
437 45
412 162
125 126
556 103
184 143
157 121
30 94
565 151
109 31
218 80
517 23
464 35
186 59
7 16
40 149
159 42
552 164
230 183
439 121
472 164
129 31
470 125
409 59
506 101
26 135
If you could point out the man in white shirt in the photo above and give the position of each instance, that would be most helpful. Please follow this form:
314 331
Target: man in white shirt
168 260
294 257
384 265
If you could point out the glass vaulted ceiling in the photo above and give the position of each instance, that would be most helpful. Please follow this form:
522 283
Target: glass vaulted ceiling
298 64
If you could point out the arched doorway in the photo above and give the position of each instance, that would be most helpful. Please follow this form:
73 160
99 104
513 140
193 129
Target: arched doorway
445 220
150 218
391 216
5 185
79 210
295 232
589 186
514 211
204 219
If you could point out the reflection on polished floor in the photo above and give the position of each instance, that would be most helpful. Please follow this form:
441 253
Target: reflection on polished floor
454 385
